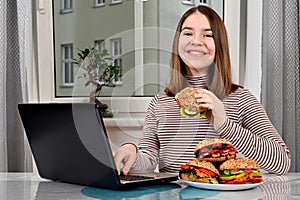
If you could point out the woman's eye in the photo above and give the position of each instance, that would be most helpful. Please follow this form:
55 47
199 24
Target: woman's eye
187 33
208 35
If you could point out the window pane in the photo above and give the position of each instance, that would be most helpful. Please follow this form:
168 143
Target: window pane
137 35
67 65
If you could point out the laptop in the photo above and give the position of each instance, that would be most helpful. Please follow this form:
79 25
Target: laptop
70 144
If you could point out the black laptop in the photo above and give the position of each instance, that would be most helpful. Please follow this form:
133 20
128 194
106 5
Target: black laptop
70 144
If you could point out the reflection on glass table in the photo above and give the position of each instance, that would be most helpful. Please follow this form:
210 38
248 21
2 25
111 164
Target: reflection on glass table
23 186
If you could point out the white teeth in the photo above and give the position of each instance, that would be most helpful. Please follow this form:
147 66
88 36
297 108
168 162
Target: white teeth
195 53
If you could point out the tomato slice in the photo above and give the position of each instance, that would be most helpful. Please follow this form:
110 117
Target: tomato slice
178 102
206 171
256 179
184 167
216 145
242 180
204 150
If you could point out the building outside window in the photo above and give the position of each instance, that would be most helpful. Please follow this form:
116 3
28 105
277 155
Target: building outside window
67 65
144 55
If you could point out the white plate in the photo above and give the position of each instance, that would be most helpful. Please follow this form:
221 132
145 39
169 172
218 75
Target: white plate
222 186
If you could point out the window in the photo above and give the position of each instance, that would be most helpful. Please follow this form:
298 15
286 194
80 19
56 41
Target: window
99 2
138 35
100 45
116 49
66 6
67 64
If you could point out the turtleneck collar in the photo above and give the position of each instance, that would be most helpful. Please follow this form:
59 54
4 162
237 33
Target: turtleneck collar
197 81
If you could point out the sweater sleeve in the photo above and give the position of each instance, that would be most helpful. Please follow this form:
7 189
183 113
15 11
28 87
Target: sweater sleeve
255 136
148 148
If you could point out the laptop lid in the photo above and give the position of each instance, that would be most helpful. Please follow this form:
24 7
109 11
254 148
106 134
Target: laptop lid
70 144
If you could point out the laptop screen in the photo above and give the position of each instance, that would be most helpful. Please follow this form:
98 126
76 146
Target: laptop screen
69 142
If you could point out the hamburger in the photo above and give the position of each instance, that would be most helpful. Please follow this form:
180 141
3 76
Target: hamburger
189 107
240 171
199 171
215 150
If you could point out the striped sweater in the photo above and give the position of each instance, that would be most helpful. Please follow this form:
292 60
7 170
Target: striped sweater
169 138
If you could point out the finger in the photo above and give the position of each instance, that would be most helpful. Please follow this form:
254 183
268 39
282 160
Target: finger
118 159
126 167
128 163
204 91
206 105
124 172
203 96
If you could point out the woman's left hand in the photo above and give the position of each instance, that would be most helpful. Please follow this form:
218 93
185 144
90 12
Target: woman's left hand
208 100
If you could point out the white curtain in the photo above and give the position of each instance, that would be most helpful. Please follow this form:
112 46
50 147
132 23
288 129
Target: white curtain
280 68
16 65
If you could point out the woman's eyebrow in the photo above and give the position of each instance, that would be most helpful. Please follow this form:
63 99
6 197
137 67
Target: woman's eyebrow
190 28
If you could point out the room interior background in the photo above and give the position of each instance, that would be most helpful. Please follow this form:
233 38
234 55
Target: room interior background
18 76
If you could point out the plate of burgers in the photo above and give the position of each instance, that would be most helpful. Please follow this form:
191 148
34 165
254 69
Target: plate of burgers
224 173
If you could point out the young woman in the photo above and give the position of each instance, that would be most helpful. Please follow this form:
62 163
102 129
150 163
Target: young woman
201 59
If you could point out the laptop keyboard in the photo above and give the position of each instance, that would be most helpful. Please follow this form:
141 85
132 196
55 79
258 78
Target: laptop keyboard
134 178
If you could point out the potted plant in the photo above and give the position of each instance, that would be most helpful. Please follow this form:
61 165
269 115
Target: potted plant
100 71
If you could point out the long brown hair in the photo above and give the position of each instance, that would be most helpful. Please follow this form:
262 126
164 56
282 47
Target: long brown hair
219 77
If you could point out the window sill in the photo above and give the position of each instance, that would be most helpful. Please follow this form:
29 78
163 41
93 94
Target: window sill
66 11
120 120
127 127
99 5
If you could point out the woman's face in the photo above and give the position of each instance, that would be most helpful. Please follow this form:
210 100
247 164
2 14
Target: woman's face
196 44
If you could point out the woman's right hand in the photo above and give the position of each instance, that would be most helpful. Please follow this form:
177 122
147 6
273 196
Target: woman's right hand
126 154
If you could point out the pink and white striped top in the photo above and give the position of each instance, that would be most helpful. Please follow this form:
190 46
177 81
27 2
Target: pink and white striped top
169 138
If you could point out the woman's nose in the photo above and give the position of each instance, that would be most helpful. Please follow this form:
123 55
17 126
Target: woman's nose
197 40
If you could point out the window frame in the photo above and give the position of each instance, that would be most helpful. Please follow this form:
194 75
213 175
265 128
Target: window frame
45 57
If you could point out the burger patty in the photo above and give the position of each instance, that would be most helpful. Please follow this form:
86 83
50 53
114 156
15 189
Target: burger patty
219 158
191 177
